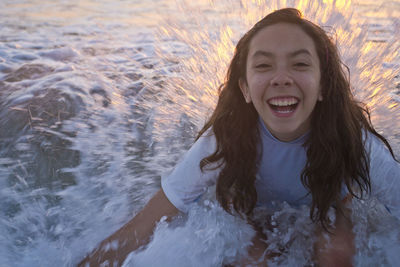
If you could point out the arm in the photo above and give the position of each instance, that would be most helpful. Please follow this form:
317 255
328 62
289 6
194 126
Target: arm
336 248
185 184
256 252
132 235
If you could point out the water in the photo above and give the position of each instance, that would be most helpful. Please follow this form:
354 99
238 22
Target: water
99 98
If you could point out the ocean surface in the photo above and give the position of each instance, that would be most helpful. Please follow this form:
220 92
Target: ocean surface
99 99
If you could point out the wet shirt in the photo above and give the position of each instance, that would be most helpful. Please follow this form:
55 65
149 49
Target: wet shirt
278 177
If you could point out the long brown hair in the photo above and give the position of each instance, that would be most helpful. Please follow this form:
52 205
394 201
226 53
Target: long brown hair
335 148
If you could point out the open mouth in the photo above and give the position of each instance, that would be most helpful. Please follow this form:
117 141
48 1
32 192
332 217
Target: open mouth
283 105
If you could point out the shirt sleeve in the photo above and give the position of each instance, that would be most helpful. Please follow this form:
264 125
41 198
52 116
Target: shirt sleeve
187 183
385 175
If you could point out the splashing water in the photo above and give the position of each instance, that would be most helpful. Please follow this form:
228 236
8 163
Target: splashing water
98 99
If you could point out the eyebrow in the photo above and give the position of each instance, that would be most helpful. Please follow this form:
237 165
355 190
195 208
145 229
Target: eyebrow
270 55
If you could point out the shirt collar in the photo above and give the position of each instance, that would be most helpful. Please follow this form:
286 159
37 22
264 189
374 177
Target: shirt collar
301 140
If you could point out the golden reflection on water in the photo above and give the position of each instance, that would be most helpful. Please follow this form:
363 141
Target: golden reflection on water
142 13
339 4
393 105
45 10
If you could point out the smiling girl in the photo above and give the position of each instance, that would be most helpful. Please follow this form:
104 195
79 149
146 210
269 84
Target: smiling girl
282 80
285 128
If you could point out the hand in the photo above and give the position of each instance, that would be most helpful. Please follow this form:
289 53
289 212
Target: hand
338 252
256 253
132 235
336 249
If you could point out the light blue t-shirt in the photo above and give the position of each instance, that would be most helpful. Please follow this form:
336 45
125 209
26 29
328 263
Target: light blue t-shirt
278 178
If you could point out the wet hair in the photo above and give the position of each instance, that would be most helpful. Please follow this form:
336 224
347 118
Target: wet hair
335 147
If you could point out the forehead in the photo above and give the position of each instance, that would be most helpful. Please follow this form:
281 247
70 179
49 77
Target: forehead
282 38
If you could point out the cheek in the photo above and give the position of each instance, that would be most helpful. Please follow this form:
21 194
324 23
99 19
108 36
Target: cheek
258 85
311 86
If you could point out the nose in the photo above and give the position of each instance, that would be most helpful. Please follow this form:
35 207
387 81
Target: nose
281 78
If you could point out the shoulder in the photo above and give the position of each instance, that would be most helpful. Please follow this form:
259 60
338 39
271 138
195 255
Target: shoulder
375 147
380 159
204 145
187 182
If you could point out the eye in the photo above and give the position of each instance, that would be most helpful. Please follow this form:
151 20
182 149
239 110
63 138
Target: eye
263 66
301 64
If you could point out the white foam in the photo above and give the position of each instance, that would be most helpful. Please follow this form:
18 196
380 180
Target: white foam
209 237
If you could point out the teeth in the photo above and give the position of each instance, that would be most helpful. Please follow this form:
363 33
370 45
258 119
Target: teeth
284 111
283 101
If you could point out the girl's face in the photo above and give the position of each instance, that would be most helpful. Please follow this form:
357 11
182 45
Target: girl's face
283 79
